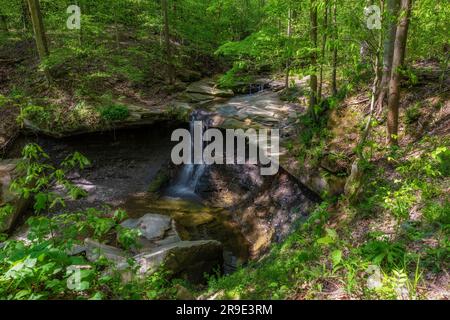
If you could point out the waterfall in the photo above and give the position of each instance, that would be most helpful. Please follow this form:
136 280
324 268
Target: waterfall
190 174
258 87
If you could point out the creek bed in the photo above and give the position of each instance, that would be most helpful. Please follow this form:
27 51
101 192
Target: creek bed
124 163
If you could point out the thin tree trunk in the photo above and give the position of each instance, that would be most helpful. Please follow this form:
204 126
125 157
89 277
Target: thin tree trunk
38 27
313 81
116 27
335 50
324 45
25 15
3 23
288 60
376 87
388 54
80 32
170 69
397 62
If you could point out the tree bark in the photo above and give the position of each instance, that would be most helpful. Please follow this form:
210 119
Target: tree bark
38 27
288 60
335 50
313 80
375 90
168 49
3 23
26 19
324 45
397 62
388 52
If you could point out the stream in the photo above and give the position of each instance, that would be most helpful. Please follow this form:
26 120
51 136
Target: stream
123 164
233 204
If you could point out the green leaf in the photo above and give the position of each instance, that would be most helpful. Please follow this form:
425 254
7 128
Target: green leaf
336 257
41 200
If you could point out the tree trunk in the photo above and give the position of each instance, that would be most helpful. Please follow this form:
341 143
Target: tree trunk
335 50
3 23
288 60
25 15
313 81
170 69
375 90
397 62
324 45
38 27
388 53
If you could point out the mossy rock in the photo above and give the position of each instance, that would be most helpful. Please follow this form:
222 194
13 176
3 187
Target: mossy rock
12 206
161 179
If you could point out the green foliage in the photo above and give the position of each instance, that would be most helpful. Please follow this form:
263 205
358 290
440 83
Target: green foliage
43 268
5 212
36 114
437 213
162 178
38 176
120 52
399 202
413 113
56 119
127 238
115 112
383 252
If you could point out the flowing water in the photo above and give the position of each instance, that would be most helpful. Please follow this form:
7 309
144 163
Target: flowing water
188 178
124 163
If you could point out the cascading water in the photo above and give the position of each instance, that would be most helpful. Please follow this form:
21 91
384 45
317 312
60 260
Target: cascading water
190 174
256 88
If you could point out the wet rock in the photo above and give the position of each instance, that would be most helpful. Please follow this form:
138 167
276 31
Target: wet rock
156 230
95 250
189 75
264 207
188 260
209 88
193 97
151 226
76 250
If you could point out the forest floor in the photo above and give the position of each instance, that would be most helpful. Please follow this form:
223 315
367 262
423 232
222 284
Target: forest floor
90 85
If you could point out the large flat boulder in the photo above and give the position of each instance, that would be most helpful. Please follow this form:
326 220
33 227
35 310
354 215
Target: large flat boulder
151 226
138 116
209 88
188 260
317 179
96 250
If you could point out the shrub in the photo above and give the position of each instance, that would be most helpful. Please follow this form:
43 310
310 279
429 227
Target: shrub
413 114
383 252
435 212
115 112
